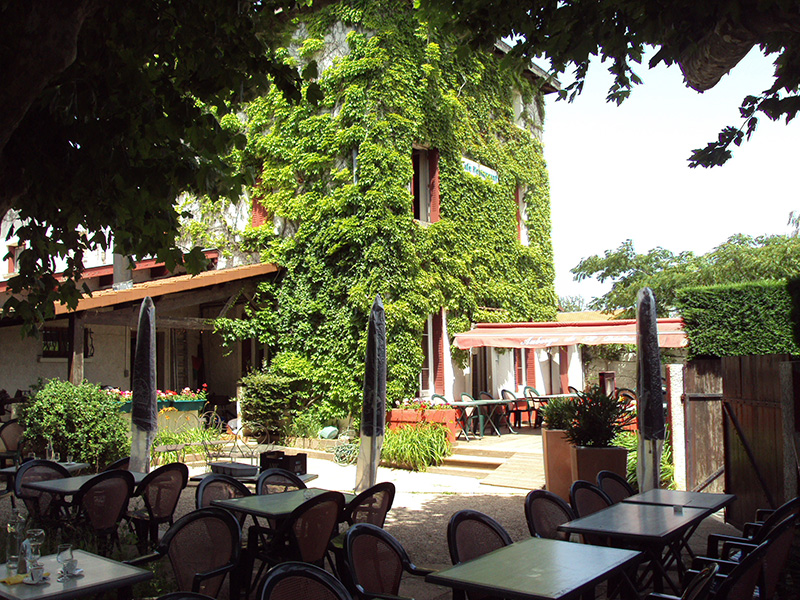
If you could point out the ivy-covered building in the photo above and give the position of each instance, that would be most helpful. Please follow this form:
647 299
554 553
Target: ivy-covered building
417 174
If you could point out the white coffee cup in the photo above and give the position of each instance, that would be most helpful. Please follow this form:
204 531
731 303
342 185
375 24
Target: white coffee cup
37 573
71 566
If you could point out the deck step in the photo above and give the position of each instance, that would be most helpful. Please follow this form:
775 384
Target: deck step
464 448
460 471
486 463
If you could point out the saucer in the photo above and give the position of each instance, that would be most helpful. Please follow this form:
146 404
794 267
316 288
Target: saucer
29 581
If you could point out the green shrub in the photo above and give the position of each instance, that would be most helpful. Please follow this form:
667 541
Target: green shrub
630 440
82 421
416 447
554 413
739 319
595 418
268 399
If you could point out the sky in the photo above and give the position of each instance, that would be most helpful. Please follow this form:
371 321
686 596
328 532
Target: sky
621 172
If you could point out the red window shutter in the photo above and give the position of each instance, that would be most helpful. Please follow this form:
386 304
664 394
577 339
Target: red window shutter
259 215
563 368
433 170
530 366
438 353
517 367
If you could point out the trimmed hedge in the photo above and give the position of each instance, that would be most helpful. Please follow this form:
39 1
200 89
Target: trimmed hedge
738 320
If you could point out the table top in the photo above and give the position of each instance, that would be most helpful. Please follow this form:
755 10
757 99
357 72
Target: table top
72 467
536 569
305 477
99 574
272 505
637 522
712 502
67 486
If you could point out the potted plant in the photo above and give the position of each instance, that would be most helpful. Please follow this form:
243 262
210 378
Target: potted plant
594 420
556 447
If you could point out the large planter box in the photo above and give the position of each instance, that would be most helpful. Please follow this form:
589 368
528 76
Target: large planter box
587 461
557 462
445 416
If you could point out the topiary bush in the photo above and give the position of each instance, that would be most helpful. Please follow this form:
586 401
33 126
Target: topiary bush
80 420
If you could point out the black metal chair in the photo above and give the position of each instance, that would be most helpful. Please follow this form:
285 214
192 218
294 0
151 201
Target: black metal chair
11 433
121 464
301 581
586 498
45 508
517 407
375 562
218 486
471 534
101 503
160 489
616 487
698 587
544 512
276 481
202 547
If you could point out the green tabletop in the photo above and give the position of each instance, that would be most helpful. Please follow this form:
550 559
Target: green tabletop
273 506
67 486
712 502
99 575
537 569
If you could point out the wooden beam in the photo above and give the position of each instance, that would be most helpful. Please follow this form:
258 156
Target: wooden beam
128 318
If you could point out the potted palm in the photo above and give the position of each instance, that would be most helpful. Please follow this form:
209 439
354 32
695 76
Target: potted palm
556 447
594 419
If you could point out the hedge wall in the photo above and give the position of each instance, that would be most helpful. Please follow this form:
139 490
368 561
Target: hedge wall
739 319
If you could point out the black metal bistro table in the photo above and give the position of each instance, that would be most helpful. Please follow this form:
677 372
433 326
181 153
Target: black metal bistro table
537 569
99 575
657 530
272 506
69 486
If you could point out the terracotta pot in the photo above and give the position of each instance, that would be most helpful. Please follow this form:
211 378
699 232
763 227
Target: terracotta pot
557 469
588 461
445 416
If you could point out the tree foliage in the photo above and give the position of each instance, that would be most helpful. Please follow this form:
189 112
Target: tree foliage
110 111
740 259
705 39
336 177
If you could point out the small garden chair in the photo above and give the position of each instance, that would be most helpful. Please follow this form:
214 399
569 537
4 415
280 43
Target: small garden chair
45 508
123 463
375 562
160 490
301 581
101 503
471 534
615 486
544 512
217 486
517 407
536 402
202 547
586 498
277 480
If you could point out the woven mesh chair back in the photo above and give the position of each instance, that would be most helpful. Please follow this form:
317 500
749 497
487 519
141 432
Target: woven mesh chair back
38 503
104 499
372 505
471 534
277 481
790 508
312 526
123 464
162 488
220 487
544 512
586 498
375 565
615 487
202 545
299 581
11 435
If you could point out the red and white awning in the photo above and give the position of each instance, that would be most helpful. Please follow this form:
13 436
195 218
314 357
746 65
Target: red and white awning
545 335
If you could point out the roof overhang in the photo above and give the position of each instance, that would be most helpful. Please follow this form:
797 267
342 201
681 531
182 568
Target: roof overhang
548 334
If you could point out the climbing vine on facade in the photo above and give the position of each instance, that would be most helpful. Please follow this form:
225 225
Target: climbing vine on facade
336 176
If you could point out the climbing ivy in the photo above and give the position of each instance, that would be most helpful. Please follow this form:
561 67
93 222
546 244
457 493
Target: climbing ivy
335 177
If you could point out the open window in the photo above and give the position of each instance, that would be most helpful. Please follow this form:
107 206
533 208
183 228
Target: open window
425 184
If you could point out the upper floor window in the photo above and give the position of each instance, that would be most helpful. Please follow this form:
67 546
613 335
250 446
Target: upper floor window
420 186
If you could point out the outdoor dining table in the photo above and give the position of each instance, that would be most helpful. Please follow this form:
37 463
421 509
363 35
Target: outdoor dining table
71 467
486 411
99 575
538 569
656 529
69 486
272 506
305 477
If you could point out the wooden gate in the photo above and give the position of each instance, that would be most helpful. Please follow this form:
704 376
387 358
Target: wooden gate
758 467
702 395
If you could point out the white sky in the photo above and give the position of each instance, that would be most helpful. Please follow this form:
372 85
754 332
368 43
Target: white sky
622 172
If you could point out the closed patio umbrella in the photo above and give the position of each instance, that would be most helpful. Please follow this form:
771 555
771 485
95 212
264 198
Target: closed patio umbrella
144 412
373 410
650 409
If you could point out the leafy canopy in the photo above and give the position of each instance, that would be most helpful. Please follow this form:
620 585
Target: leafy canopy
705 39
740 259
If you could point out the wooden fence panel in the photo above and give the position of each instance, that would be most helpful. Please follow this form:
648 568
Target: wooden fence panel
702 386
753 434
